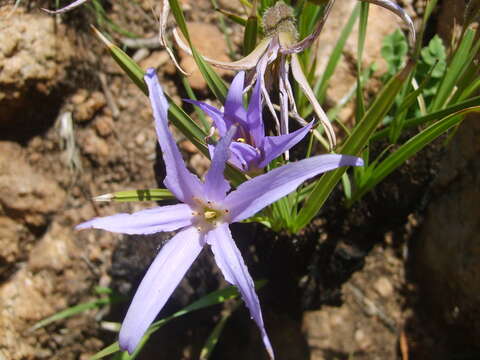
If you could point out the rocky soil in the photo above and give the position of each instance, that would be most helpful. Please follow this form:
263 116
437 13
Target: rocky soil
72 126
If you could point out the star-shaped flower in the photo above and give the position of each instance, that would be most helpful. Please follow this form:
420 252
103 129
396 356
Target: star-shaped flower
250 150
277 53
203 217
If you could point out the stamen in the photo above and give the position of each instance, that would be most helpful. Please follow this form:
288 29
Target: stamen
210 214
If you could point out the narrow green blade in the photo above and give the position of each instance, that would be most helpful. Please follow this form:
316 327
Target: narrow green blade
250 36
137 195
214 81
410 148
77 309
353 146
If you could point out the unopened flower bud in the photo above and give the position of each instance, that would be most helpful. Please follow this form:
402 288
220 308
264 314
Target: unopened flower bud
279 18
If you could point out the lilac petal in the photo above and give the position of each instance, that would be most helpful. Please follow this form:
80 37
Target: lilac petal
160 218
283 97
244 156
308 40
396 9
270 56
246 63
72 6
253 195
234 109
162 277
216 186
299 76
274 146
254 116
163 19
181 182
230 261
214 113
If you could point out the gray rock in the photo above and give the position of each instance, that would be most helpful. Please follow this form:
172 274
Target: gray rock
33 59
448 256
26 196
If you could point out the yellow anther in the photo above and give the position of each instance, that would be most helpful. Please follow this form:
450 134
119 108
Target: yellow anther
241 140
210 214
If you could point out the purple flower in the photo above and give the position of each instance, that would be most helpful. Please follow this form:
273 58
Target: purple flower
250 149
203 216
277 52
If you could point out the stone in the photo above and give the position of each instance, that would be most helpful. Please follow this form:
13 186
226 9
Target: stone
56 251
95 147
214 48
155 60
448 251
26 195
104 126
87 105
14 237
33 59
199 163
188 146
384 287
46 284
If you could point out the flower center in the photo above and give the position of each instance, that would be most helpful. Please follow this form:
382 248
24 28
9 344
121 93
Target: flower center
207 215
211 215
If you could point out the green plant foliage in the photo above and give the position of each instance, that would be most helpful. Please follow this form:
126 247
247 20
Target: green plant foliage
432 65
394 51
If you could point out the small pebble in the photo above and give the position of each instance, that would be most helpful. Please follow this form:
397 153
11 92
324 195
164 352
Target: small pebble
104 126
384 287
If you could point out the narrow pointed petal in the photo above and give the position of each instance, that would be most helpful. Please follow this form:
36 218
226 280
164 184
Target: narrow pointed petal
162 277
245 157
270 55
308 40
284 98
274 146
163 36
261 191
307 90
214 113
160 218
216 186
230 261
254 116
402 14
72 6
234 109
246 63
181 182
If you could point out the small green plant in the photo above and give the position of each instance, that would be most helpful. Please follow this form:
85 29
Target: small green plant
394 51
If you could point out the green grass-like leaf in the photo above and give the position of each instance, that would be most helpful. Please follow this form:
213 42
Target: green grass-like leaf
142 195
410 148
354 145
214 81
77 309
455 69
